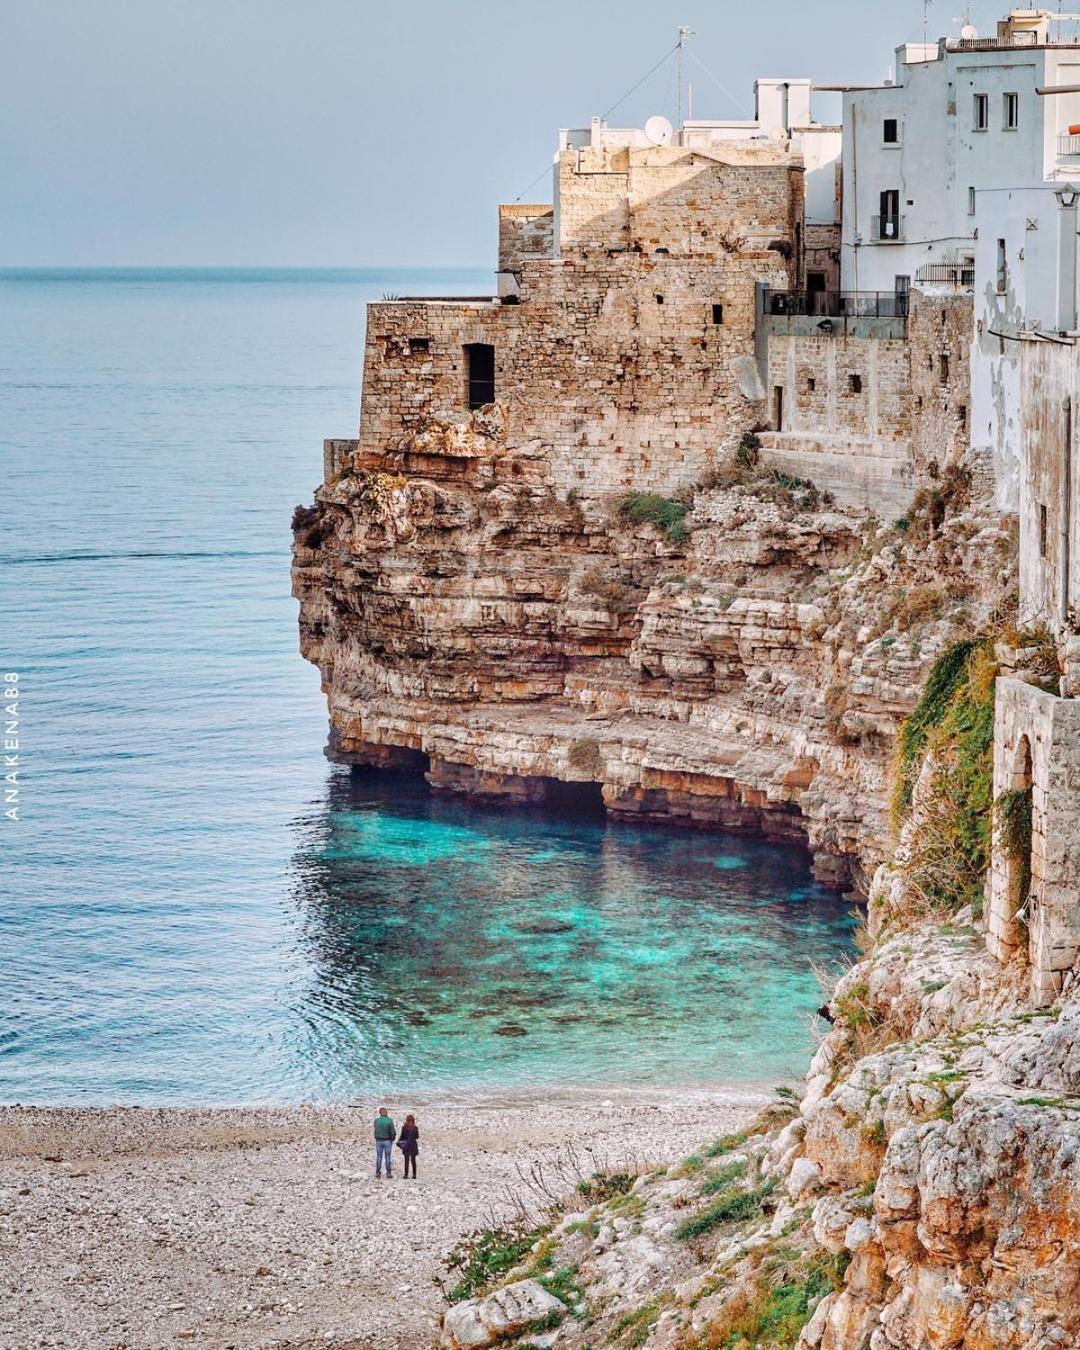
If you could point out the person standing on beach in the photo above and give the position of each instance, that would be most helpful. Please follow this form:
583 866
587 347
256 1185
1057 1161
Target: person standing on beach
385 1134
409 1143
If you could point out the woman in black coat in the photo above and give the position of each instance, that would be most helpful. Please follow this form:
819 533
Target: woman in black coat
409 1143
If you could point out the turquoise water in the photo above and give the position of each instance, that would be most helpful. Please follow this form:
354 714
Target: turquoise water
195 906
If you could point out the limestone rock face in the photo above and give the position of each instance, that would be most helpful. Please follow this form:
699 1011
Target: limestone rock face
498 1316
473 622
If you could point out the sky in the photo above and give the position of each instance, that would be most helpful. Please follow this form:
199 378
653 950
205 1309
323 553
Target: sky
358 134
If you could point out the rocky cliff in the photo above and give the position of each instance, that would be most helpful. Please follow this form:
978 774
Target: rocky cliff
741 656
745 656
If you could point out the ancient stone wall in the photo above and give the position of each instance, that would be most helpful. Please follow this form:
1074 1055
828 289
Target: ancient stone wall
618 368
939 337
525 231
845 408
822 244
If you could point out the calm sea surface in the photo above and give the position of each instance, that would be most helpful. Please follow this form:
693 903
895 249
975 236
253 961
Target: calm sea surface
194 906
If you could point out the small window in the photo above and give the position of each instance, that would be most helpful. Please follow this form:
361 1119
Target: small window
982 112
961 414
890 131
1042 531
479 374
855 383
718 314
659 299
811 384
1011 113
1002 268
943 370
971 201
417 345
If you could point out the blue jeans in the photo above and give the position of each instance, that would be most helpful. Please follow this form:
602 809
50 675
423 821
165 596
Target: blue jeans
383 1149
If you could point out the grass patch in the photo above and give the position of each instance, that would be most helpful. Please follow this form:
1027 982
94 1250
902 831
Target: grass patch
727 1144
722 1178
635 1327
777 1308
731 1206
669 516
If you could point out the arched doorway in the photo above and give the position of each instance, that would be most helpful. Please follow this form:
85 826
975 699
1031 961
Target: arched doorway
1012 896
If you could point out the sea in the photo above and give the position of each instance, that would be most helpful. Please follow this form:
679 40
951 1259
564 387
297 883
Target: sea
196 907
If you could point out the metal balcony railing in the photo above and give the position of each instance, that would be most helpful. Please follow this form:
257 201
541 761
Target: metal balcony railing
1068 145
946 274
838 304
886 229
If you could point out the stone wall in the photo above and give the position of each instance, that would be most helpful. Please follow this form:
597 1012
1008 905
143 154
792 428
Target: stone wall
525 231
846 414
1037 747
939 338
870 416
625 364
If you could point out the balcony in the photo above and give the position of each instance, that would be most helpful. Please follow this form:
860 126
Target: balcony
1068 145
886 229
871 314
961 276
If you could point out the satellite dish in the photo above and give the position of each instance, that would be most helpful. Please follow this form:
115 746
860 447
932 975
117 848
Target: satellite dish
969 32
659 131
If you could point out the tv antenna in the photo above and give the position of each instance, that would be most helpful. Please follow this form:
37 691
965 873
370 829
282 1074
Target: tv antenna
683 33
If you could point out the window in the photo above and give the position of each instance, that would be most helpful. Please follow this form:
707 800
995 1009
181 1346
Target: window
890 131
982 112
855 383
943 370
971 201
889 220
1042 531
778 407
479 373
417 345
659 299
718 314
1002 268
811 384
961 415
1011 115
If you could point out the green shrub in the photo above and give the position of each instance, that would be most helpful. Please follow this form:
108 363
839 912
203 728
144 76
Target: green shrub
668 516
732 1206
954 721
486 1255
603 1186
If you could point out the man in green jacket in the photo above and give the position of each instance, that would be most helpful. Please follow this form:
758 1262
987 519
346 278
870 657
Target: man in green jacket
385 1134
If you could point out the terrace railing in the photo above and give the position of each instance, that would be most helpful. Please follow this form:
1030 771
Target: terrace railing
838 304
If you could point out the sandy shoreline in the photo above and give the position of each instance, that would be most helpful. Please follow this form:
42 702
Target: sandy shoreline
263 1226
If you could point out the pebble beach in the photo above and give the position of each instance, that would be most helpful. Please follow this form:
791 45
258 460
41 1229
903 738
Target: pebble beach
265 1227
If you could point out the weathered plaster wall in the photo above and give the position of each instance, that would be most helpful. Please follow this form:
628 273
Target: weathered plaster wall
1048 410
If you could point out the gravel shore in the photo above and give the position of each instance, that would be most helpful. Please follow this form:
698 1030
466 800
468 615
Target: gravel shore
245 1227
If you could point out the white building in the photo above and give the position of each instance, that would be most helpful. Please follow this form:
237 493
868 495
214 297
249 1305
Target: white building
950 179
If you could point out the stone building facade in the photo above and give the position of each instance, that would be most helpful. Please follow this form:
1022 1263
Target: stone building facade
1035 901
620 352
870 406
